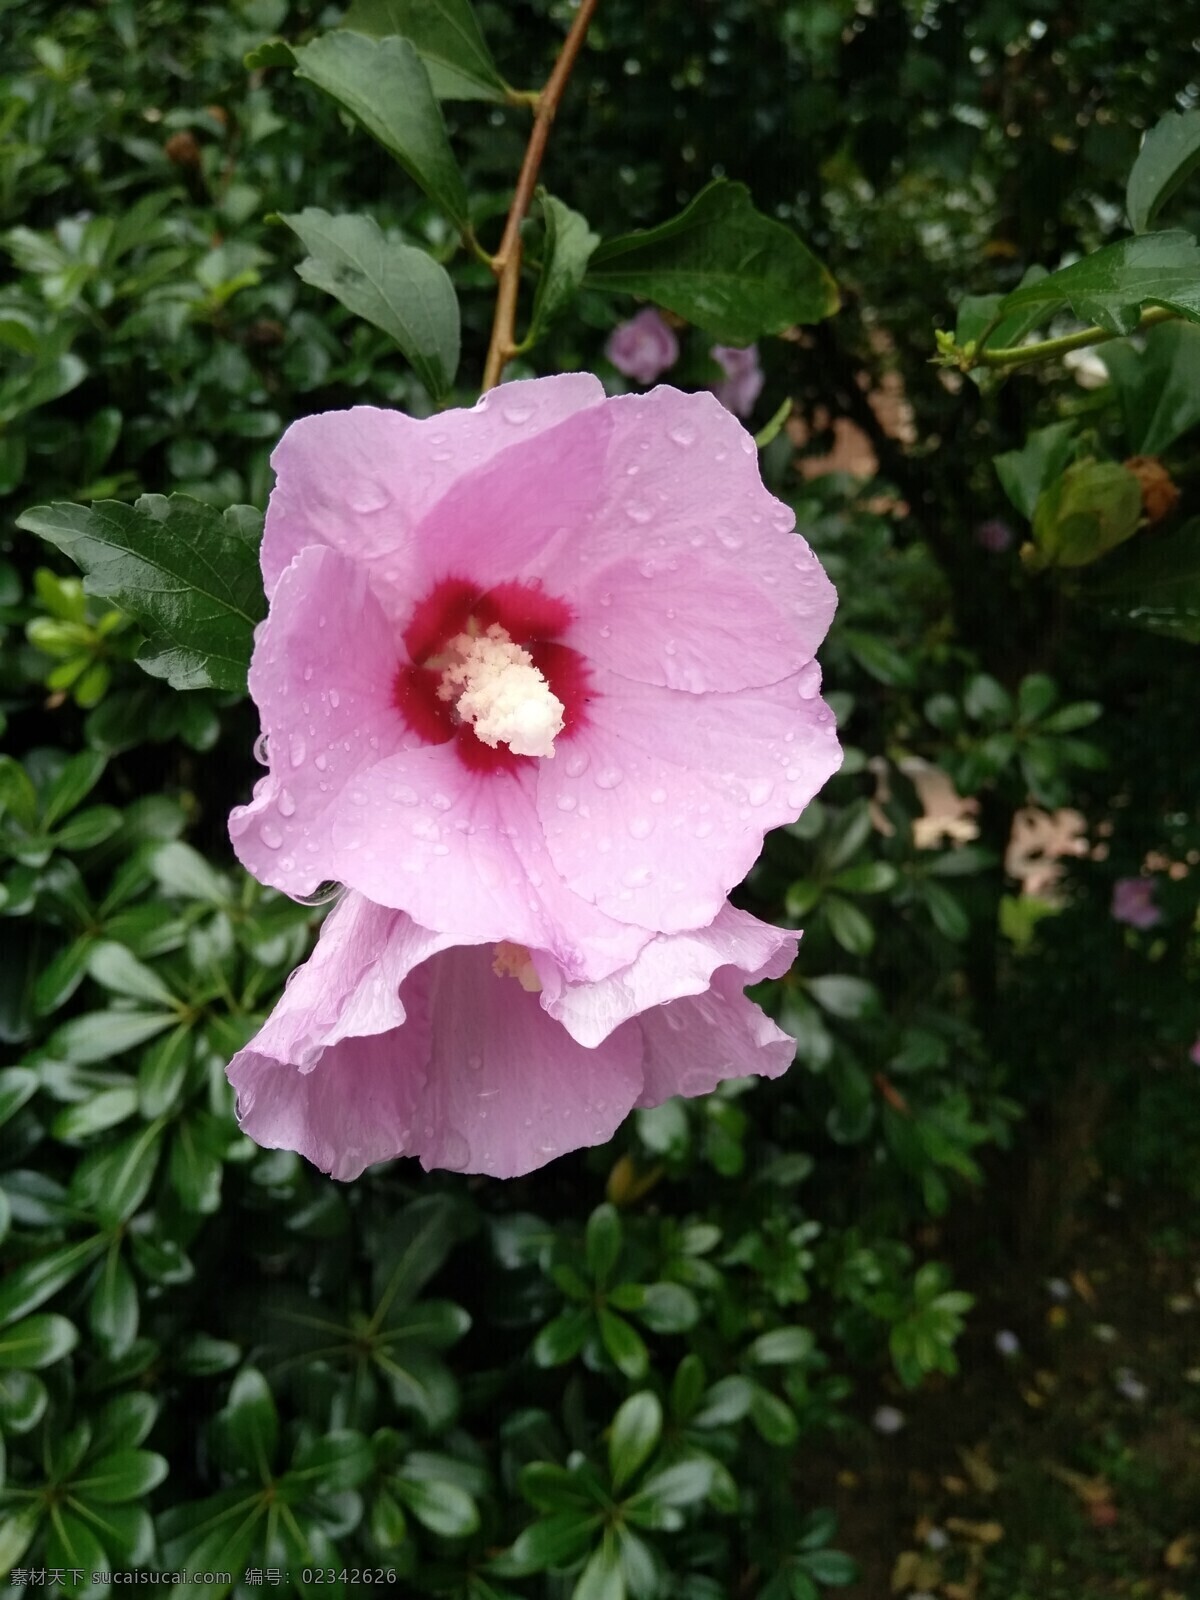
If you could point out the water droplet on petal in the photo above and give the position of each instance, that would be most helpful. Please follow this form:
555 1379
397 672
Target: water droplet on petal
335 699
607 777
308 672
576 763
641 827
606 632
440 802
321 896
516 413
270 836
366 496
262 751
286 803
321 762
657 796
567 802
637 511
760 791
703 828
683 435
637 877
239 821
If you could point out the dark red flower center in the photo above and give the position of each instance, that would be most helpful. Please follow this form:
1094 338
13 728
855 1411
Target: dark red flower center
530 618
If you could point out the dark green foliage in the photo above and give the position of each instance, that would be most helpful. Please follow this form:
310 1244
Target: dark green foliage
592 1382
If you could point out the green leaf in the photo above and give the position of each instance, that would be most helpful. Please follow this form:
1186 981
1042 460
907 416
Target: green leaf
27 1287
681 1484
782 1346
250 1422
23 1401
187 573
553 1541
722 265
384 84
396 287
1169 155
879 657
624 1344
844 996
636 1430
1111 286
39 1341
1092 507
195 1168
72 1543
118 970
104 1110
113 1182
1153 584
773 1417
668 1308
603 1242
113 1308
602 1578
569 245
76 780
830 1566
1025 473
443 1508
123 1475
1159 386
18 1527
447 38
17 1085
850 927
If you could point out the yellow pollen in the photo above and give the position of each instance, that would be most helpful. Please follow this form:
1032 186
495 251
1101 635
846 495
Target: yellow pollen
514 961
497 689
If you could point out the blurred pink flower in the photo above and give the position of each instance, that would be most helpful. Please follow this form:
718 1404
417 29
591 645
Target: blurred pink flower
1133 902
743 377
644 347
994 535
481 1057
1194 1054
539 671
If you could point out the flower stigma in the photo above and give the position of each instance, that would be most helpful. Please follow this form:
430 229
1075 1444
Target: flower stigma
497 689
514 961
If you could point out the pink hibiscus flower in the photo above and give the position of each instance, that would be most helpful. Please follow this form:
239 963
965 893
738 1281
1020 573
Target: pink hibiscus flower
1133 902
644 347
743 377
392 1040
539 671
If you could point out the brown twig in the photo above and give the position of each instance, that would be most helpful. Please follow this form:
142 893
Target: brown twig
506 263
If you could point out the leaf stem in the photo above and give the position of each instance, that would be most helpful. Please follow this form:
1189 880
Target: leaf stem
506 263
1017 355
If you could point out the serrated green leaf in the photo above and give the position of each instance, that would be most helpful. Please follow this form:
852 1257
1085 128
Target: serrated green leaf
1169 155
722 265
395 286
383 83
1111 286
187 573
1026 472
447 37
1159 386
1153 584
569 245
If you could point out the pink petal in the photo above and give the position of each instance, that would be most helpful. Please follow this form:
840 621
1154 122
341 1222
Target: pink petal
692 1045
322 676
462 852
356 1107
691 550
661 804
361 480
670 966
507 1088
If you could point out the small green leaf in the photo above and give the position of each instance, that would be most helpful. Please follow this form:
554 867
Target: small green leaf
103 1110
1169 155
396 287
29 1286
844 996
668 1308
23 1401
1025 473
18 1528
1092 507
569 244
442 1507
447 38
773 1417
17 1085
722 265
123 1475
1111 286
603 1242
624 1344
39 1341
187 573
830 1566
782 1346
114 1181
636 1430
383 83
553 1541
681 1484
118 970
250 1422
113 1308
78 777
72 1543
602 1578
